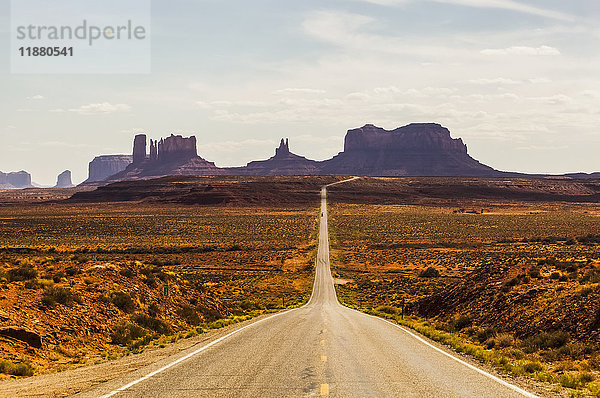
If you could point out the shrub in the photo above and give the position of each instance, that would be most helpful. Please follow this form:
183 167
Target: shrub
388 309
126 272
460 322
123 301
22 273
151 323
210 314
124 333
534 273
72 271
19 369
532 367
430 272
153 310
57 277
555 275
486 334
546 340
512 282
60 295
504 340
189 314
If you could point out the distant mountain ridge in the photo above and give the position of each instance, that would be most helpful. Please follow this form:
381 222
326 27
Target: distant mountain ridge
418 149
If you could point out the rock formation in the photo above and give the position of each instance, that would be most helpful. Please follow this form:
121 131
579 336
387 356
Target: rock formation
153 150
139 148
283 163
19 179
420 149
174 155
105 166
64 180
177 149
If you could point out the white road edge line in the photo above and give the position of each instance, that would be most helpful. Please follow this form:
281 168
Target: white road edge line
188 356
475 368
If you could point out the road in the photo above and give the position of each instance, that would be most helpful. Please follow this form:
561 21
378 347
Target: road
320 349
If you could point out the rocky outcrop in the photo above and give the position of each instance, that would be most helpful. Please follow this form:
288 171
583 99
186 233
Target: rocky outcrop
284 163
15 180
174 155
176 149
139 148
31 338
64 180
420 149
105 166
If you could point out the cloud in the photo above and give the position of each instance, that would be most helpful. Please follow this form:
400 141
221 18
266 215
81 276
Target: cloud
351 32
522 50
100 108
509 5
36 97
299 91
494 81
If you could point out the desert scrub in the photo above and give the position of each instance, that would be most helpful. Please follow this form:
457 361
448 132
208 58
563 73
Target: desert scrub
19 369
123 301
23 273
189 314
151 323
125 333
429 272
545 340
59 295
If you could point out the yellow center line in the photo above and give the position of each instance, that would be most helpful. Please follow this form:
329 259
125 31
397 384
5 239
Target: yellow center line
324 390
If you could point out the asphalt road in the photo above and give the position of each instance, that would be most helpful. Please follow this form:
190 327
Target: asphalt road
321 349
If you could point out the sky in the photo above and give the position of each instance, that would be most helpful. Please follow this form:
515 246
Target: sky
518 81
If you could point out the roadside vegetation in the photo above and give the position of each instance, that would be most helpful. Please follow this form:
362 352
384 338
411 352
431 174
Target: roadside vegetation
516 286
84 284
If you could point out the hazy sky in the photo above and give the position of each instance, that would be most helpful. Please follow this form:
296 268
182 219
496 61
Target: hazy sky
518 81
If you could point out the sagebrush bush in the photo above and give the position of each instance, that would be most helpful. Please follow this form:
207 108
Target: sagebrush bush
123 301
486 334
19 369
58 295
532 367
189 314
23 273
504 340
545 340
151 323
459 322
430 272
125 333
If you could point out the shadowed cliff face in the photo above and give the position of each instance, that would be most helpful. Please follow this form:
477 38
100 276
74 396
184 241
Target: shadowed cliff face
417 137
423 149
